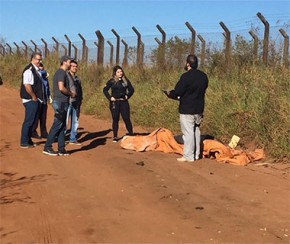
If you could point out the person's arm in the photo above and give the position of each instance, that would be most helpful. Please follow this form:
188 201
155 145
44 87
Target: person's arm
64 90
180 88
130 89
28 80
81 92
106 90
29 90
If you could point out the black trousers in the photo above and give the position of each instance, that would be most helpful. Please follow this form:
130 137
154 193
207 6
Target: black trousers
41 119
121 107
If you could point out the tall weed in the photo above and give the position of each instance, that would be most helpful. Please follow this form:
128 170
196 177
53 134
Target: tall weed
251 101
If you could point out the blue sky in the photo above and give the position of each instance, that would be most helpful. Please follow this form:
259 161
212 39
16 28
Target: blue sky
23 20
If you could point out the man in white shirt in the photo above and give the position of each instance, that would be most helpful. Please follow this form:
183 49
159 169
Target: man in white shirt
31 92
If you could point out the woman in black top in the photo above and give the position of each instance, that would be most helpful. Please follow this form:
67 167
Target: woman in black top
121 91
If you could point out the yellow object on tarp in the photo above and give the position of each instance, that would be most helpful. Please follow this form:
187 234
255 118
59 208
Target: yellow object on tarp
162 140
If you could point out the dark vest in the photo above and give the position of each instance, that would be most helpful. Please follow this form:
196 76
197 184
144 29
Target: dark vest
37 87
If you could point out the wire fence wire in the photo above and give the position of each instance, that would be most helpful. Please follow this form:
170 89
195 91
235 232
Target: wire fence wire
213 38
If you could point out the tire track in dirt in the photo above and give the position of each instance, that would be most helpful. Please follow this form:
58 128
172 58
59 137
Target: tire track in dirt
102 193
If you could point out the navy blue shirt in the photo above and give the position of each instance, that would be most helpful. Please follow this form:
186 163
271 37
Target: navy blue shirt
119 89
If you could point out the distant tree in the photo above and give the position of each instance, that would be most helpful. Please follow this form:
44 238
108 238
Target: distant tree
176 50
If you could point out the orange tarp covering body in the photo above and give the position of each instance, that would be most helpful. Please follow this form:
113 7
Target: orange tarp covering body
162 140
223 153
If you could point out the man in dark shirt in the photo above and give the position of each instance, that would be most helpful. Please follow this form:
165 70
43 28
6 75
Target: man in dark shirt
61 94
190 91
74 103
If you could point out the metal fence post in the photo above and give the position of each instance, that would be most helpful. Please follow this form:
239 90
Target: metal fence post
35 46
125 59
286 48
139 51
255 48
117 46
75 51
64 48
25 48
162 46
142 53
266 38
56 47
101 46
111 52
46 51
69 45
3 50
84 50
193 33
10 49
202 50
17 48
227 36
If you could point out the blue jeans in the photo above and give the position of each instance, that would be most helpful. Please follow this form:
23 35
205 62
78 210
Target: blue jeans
74 112
31 109
58 127
189 124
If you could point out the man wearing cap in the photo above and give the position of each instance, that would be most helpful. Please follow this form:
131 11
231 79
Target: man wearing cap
61 94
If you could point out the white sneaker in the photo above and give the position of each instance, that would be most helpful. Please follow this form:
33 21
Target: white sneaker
182 159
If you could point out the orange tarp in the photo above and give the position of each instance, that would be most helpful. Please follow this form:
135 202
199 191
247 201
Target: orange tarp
162 140
225 154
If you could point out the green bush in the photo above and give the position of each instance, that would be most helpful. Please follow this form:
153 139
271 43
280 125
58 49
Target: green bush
249 100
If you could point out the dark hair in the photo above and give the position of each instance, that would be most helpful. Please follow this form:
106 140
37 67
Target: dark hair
115 68
192 60
74 61
34 54
41 65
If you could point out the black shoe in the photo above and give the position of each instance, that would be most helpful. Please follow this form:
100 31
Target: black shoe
63 153
130 134
115 139
49 151
35 135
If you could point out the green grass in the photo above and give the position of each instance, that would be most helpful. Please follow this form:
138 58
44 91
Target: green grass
250 101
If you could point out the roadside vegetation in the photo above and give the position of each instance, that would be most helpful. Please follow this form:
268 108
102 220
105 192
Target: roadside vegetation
247 98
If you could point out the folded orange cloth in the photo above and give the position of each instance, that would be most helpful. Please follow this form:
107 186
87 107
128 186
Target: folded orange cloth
223 153
162 140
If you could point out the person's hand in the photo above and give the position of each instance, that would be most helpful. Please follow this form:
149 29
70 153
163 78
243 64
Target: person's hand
50 99
73 94
126 97
113 99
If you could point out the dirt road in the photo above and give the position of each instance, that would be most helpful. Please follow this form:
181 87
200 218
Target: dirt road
102 193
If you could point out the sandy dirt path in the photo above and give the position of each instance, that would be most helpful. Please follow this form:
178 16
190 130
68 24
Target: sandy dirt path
100 194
